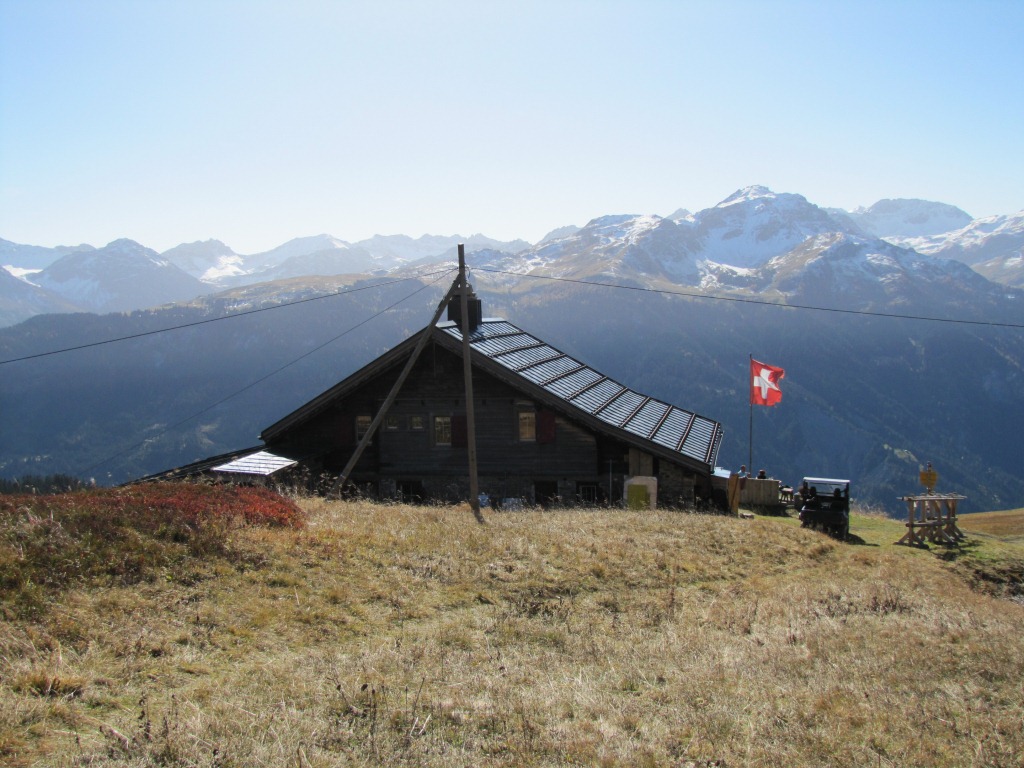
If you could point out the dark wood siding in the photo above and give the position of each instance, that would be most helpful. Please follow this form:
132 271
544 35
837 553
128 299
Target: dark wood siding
435 388
404 451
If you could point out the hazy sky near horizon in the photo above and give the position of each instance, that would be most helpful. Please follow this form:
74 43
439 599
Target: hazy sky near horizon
253 122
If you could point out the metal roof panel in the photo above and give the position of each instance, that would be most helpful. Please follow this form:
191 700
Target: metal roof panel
259 463
647 420
621 409
585 389
502 345
568 386
698 441
592 399
542 372
673 428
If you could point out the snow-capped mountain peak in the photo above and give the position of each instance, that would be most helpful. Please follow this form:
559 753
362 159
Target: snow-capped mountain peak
753 240
845 270
978 241
755 224
897 218
624 228
754 192
299 246
121 276
34 257
208 260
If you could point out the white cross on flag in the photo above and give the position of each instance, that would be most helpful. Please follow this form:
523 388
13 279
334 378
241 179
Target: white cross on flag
764 383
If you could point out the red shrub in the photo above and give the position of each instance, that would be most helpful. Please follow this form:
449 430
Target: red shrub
125 534
207 503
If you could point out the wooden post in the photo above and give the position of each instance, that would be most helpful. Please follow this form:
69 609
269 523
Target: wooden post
911 538
952 529
390 399
467 374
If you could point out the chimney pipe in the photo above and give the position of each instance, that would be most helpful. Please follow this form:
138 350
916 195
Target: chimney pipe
474 306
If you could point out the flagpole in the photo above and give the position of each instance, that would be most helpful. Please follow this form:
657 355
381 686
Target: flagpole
750 438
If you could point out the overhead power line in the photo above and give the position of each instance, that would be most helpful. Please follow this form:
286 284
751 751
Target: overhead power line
762 302
687 294
263 378
232 316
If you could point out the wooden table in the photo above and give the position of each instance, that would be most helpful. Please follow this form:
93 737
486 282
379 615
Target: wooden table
931 518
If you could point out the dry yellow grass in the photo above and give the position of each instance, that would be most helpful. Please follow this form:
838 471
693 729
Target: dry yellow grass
1006 524
390 635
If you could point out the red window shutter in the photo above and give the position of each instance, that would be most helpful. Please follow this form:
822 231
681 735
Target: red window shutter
459 431
545 426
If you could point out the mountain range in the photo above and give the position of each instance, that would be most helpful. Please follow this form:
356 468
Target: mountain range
836 297
713 249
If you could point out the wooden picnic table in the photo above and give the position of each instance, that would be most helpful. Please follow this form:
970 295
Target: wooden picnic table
931 518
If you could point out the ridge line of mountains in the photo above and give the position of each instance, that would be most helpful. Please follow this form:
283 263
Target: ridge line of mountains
755 240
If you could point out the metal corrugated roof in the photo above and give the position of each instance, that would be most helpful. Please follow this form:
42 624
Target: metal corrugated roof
259 463
579 386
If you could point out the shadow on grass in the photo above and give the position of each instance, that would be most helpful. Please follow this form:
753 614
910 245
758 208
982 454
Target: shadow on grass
857 541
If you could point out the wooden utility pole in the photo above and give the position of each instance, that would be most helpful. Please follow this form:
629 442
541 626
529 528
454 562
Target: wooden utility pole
390 399
467 374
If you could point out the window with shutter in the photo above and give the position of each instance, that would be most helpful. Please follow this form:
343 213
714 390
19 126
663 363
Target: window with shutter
460 432
545 426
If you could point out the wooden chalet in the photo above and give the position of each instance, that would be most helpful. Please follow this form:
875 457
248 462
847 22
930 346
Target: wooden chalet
548 428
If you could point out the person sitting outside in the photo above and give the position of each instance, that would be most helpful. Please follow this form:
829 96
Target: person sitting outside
811 506
838 500
801 495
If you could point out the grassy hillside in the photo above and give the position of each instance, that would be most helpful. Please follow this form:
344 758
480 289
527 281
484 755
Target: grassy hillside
358 634
1008 524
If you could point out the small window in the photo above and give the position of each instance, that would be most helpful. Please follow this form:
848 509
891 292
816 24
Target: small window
362 426
587 493
391 422
442 430
527 426
415 422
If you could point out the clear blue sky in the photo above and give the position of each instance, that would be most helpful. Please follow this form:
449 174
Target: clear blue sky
169 121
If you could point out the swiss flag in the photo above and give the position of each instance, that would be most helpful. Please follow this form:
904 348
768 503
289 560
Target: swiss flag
764 383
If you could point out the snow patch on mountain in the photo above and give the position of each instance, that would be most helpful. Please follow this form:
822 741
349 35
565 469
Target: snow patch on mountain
908 217
20 273
982 239
849 271
225 267
622 229
299 246
558 234
626 246
119 277
207 260
390 251
755 224
35 257
20 300
1007 269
